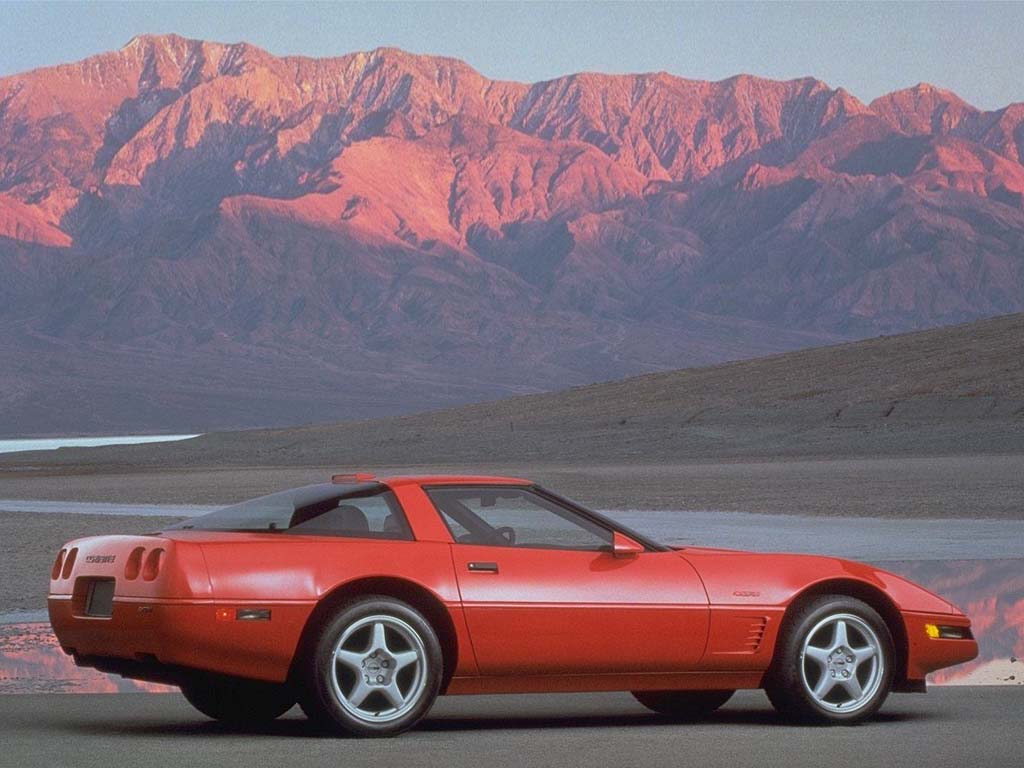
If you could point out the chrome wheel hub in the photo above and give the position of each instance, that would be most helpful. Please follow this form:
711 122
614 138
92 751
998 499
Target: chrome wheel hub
378 668
379 671
841 663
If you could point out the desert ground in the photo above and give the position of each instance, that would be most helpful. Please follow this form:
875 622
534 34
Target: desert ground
973 486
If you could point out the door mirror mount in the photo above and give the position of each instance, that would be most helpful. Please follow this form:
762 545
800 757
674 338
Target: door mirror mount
625 547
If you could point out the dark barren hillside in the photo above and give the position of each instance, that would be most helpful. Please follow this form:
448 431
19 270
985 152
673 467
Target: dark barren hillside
201 236
948 391
927 424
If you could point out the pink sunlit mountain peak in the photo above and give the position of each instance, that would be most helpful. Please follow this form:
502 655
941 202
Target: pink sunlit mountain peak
461 237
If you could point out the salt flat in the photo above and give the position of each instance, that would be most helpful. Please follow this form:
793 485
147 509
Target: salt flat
859 538
863 538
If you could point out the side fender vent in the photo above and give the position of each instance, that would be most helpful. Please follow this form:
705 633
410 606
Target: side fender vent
737 634
755 634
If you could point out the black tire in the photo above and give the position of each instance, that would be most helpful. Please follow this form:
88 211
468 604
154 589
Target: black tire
793 679
328 693
238 701
683 705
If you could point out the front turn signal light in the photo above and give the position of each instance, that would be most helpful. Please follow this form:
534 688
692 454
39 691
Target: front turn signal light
937 631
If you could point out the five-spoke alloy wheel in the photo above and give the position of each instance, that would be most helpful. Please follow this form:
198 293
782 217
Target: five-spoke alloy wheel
842 667
834 662
376 669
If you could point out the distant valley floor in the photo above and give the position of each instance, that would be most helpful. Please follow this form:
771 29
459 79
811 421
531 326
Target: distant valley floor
964 486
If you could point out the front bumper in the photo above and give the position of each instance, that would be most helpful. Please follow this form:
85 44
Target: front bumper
926 653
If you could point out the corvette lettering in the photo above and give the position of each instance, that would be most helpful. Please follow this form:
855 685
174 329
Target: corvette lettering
100 558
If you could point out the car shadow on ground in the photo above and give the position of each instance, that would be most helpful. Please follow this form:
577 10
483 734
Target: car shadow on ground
724 718
299 727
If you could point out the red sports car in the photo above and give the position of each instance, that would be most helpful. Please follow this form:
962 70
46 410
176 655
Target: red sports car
364 599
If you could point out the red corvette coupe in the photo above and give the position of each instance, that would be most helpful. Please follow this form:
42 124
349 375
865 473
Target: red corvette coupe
364 599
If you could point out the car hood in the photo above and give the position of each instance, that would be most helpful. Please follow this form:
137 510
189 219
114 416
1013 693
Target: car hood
745 578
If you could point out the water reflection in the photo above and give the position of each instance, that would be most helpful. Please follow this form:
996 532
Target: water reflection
991 592
31 661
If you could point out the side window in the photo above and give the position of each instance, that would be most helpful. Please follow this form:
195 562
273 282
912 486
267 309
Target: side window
371 517
515 517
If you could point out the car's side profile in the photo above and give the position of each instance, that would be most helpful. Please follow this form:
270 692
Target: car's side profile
363 600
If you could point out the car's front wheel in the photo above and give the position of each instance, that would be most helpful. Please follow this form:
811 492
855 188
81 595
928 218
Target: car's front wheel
683 705
834 662
376 669
238 701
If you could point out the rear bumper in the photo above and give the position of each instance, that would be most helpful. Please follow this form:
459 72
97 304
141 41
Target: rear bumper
927 654
142 636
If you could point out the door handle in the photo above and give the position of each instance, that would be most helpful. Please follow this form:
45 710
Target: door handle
483 567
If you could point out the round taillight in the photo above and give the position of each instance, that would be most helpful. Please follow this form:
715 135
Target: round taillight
152 567
57 565
69 563
134 564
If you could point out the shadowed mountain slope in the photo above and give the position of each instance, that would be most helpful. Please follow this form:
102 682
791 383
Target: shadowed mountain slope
199 235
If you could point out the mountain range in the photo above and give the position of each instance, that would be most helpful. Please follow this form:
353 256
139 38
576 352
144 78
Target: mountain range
198 235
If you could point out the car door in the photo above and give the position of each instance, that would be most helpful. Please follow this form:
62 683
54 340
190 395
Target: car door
543 593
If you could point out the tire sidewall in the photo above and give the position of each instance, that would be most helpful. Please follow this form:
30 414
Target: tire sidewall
786 687
320 702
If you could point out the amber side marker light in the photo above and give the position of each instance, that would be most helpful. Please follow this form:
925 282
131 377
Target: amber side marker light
942 632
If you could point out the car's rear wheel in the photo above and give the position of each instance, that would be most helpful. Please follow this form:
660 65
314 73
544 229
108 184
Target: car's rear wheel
375 671
834 662
238 701
683 705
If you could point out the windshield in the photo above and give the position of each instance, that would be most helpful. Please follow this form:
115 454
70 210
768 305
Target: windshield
279 511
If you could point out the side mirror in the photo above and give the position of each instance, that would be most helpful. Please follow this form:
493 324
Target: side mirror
623 546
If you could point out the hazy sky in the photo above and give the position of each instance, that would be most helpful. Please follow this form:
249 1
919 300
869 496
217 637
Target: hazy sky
974 49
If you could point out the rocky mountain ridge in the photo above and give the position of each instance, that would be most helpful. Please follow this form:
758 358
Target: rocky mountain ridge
206 235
